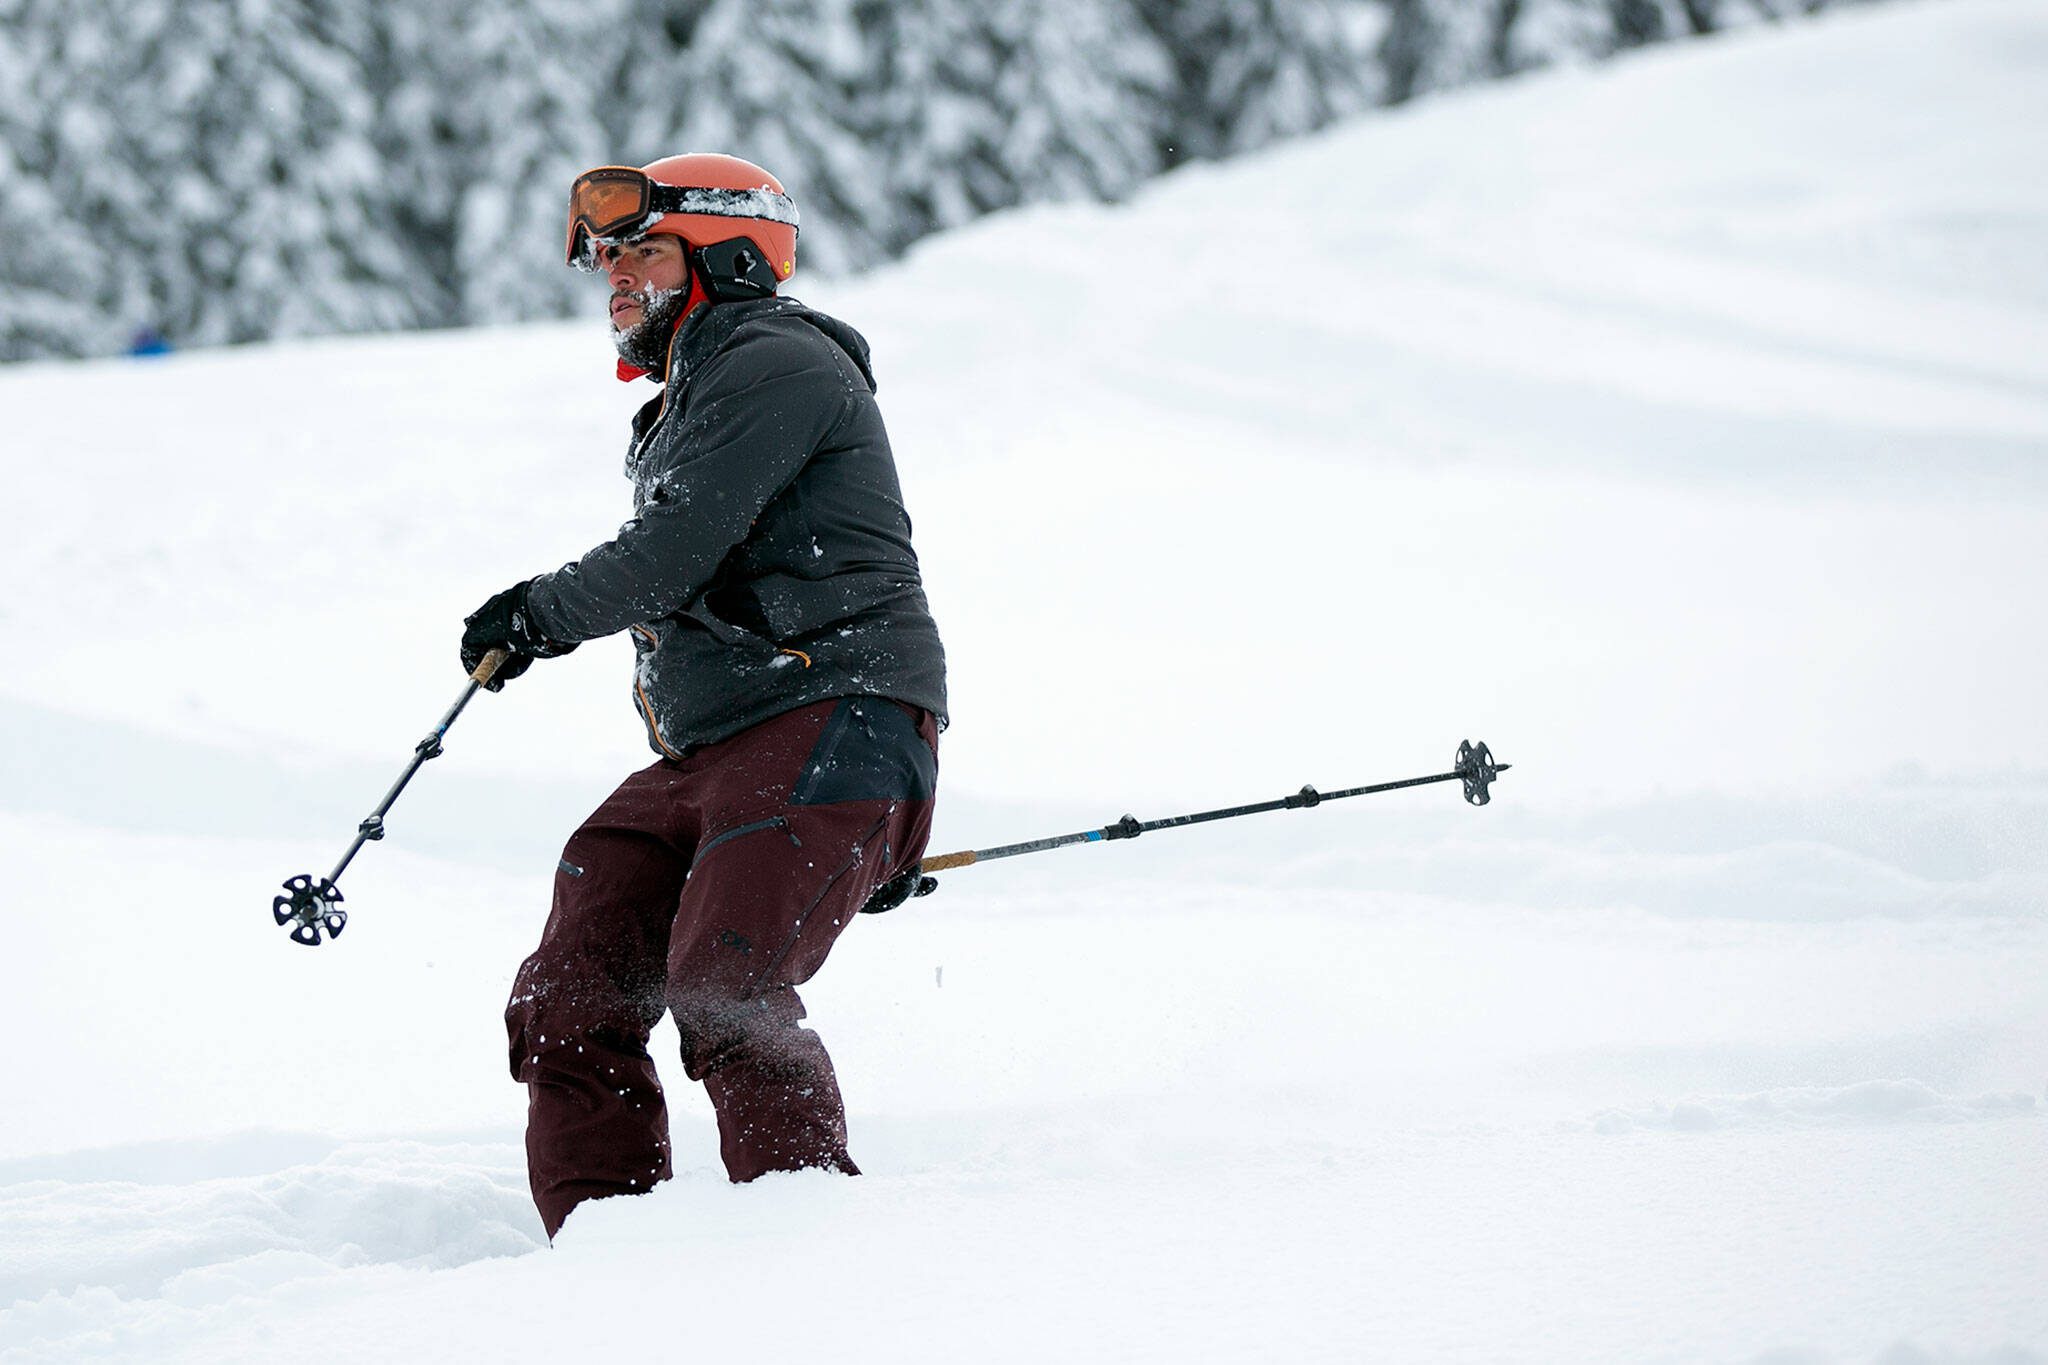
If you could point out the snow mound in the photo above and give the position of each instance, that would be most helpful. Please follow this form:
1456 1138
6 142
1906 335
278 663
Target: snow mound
191 1245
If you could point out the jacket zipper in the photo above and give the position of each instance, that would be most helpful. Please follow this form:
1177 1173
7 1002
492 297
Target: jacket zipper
646 706
668 357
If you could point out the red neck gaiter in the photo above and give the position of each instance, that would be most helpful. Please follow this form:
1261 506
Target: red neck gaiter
628 371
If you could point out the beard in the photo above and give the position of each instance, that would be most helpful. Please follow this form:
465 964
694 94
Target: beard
644 345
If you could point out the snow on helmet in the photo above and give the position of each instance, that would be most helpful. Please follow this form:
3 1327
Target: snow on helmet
707 199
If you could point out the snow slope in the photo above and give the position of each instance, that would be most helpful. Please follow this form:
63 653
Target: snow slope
1679 427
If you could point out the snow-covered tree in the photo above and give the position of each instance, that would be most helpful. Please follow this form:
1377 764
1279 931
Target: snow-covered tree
1077 96
526 117
266 157
1538 33
783 83
202 168
52 135
483 114
225 170
1431 44
985 107
1249 72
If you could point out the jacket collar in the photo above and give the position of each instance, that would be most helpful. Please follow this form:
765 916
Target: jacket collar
699 333
697 338
704 331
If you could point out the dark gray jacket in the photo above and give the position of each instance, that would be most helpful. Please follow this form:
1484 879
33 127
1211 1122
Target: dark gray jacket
768 565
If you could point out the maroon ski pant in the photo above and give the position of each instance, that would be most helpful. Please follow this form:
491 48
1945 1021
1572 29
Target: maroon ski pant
711 886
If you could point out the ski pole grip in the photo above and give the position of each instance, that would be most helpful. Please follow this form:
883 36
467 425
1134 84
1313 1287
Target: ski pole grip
946 860
492 662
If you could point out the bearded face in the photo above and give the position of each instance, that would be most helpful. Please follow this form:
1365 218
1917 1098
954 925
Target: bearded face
643 344
650 288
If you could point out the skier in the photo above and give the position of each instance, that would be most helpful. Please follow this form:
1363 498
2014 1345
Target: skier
788 673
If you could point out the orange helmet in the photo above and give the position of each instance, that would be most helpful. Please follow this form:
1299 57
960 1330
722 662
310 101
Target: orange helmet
705 198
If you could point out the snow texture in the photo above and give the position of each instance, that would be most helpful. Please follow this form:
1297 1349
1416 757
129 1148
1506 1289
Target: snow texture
1676 426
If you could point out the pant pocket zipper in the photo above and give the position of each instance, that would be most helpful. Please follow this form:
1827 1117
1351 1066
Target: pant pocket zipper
752 827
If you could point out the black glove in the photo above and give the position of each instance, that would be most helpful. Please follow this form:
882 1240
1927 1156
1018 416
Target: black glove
897 890
503 623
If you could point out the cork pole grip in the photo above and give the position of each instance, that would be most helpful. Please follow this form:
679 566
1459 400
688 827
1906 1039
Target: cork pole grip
492 662
946 860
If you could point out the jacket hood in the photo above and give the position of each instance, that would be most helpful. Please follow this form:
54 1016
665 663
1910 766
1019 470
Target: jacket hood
853 343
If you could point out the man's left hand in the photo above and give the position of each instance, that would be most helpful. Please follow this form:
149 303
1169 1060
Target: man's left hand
503 622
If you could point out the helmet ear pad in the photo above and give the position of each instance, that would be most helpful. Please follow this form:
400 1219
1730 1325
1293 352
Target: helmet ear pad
735 269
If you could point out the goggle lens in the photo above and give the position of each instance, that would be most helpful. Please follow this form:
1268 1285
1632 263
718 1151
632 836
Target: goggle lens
604 203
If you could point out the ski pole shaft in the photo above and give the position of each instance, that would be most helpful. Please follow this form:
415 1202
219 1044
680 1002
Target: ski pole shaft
372 826
310 908
1476 769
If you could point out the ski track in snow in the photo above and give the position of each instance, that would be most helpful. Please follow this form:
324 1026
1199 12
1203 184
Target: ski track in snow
1678 427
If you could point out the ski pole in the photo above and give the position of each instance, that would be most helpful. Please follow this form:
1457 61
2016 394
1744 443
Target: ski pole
310 904
1475 769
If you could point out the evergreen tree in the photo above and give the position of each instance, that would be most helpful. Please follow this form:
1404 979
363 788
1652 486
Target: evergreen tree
225 170
1546 32
1249 72
1079 97
419 145
53 134
784 84
271 159
526 122
209 158
1636 22
986 107
1430 44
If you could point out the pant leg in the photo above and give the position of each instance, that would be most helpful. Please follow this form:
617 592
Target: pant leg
585 1002
761 910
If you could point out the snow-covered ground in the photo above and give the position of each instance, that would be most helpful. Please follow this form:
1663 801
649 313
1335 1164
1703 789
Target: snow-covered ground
1678 427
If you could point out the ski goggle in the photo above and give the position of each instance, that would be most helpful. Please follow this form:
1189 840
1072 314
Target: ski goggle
616 202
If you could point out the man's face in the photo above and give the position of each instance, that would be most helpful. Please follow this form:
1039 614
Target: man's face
635 270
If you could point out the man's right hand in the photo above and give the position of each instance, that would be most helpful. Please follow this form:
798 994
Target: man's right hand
504 623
